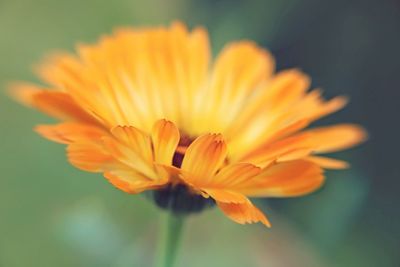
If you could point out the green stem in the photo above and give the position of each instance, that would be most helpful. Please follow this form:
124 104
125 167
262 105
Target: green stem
169 242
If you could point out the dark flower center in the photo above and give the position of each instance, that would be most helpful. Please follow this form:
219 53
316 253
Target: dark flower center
177 159
184 143
176 197
180 200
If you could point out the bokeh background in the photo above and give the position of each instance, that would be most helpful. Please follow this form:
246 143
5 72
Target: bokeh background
54 215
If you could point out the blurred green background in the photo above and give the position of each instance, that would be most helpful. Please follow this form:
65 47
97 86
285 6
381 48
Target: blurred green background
54 215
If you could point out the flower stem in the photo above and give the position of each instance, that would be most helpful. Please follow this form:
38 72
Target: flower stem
170 239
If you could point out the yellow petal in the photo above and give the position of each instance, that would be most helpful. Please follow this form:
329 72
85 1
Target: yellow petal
238 71
234 174
85 148
190 53
23 92
165 138
222 186
61 70
70 132
226 195
284 89
162 68
287 149
203 158
325 108
286 179
260 114
243 213
132 182
90 156
336 137
312 106
135 139
57 104
328 163
132 148
318 140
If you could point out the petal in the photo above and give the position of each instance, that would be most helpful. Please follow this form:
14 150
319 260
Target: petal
284 107
61 106
130 157
312 106
61 70
126 77
165 138
70 132
132 182
226 196
243 213
90 156
336 137
238 71
290 148
222 186
243 65
190 56
325 108
284 90
287 130
234 174
318 140
203 158
135 139
328 163
23 92
85 148
57 104
286 179
264 113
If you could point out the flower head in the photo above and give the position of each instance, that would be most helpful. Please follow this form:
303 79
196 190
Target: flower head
147 108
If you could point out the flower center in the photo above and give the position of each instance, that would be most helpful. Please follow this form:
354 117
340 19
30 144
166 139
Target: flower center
184 143
177 197
180 200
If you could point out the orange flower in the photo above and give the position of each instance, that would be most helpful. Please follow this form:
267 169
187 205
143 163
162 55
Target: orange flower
145 108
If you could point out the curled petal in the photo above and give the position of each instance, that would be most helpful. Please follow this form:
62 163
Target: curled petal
203 158
134 139
165 138
243 213
130 157
226 196
132 182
